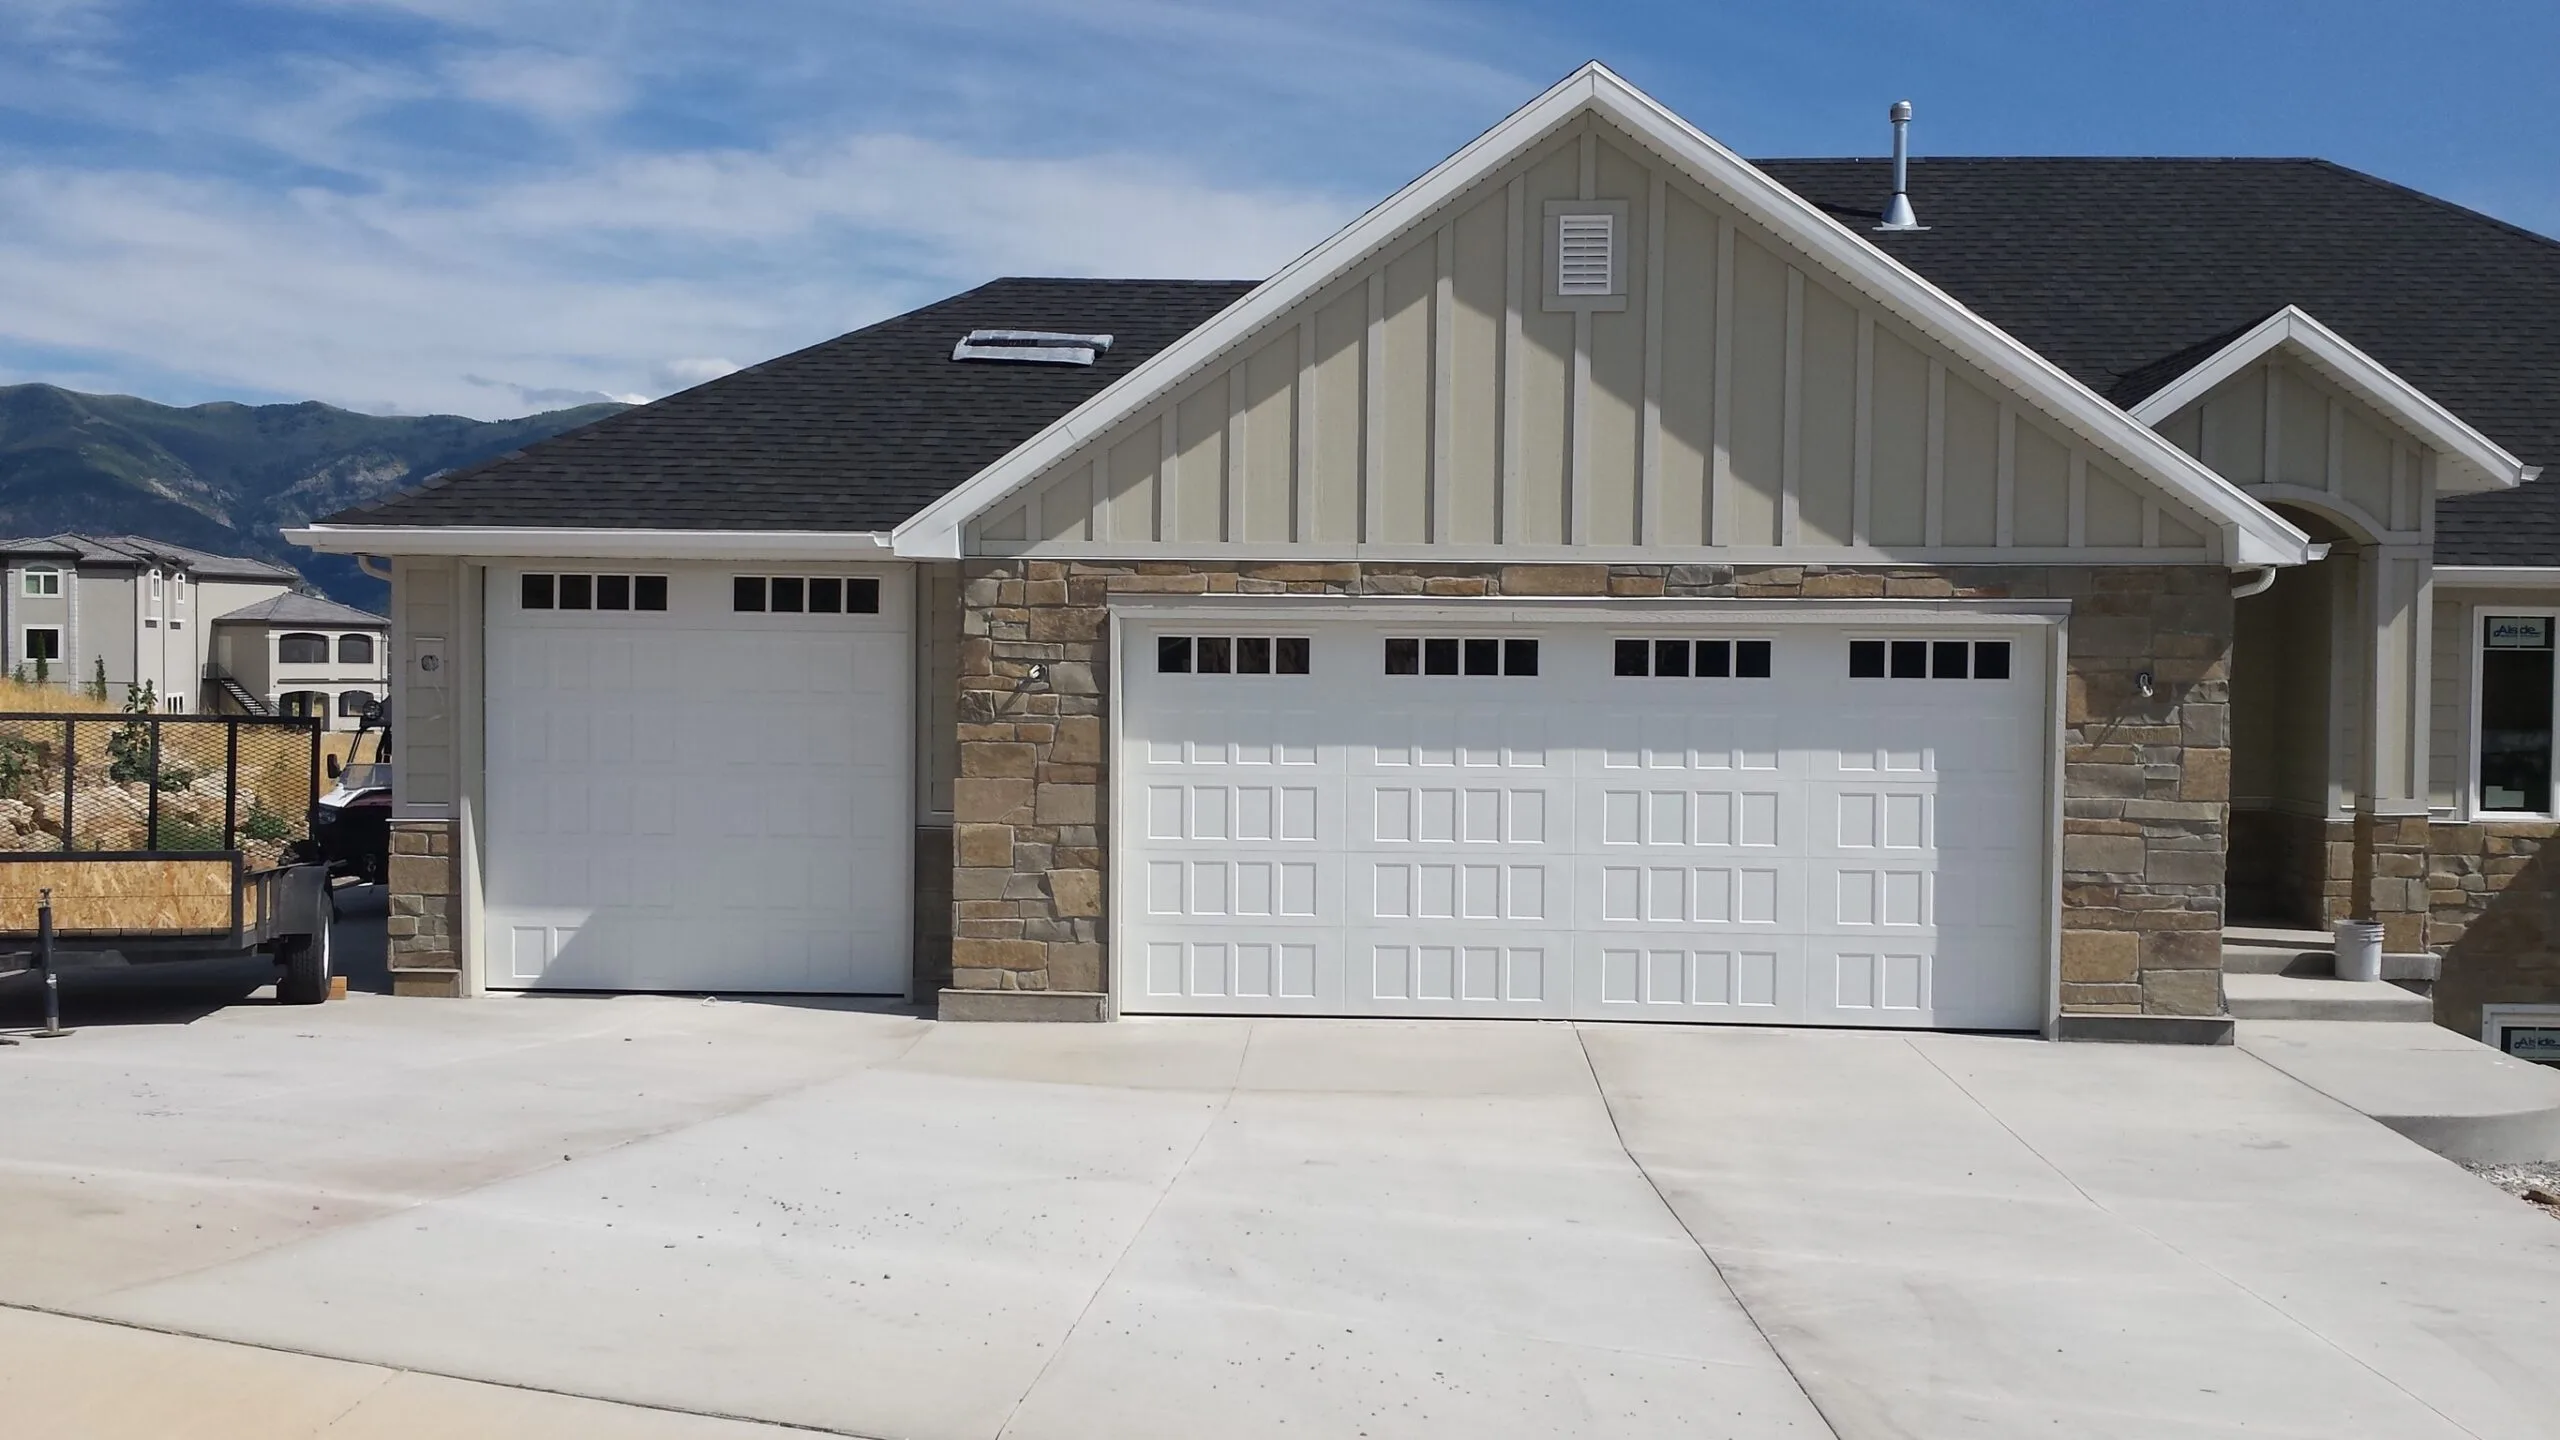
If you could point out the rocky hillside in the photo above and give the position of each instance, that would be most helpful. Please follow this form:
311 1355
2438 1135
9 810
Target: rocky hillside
225 477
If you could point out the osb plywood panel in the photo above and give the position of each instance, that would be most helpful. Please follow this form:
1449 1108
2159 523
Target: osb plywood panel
129 897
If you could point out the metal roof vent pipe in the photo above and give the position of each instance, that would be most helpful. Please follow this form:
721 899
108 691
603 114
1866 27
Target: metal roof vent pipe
1897 214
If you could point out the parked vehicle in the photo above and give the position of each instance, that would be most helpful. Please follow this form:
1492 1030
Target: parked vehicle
164 837
353 820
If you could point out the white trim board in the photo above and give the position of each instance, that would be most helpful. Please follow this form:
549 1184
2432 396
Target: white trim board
2497 577
2479 463
565 542
2254 535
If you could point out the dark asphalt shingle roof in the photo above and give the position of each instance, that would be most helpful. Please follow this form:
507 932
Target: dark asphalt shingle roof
2125 272
855 433
2128 272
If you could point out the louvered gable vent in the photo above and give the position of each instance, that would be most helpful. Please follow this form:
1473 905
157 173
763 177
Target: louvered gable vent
1586 252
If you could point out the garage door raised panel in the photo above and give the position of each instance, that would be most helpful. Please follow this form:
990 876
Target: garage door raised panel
1796 824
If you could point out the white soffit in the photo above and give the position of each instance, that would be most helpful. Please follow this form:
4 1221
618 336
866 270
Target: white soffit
2254 535
2477 463
497 541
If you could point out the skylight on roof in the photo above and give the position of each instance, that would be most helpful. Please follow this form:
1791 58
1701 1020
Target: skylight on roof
1030 347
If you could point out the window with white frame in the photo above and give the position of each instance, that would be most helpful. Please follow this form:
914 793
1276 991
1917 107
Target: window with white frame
40 580
43 642
151 588
177 600
2513 716
174 704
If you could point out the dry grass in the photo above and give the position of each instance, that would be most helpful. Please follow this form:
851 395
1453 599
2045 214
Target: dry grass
52 699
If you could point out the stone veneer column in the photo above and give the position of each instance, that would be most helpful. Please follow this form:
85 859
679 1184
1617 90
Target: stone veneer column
424 960
2146 780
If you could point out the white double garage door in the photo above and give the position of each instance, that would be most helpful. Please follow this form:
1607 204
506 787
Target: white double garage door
1790 823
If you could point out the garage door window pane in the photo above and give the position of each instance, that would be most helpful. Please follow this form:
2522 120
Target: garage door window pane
1289 655
746 594
1404 657
1910 659
1173 654
613 592
1634 658
1484 657
536 592
1715 659
1866 659
1253 655
1212 652
577 592
862 597
1519 657
1670 657
1991 660
826 597
1439 657
1751 659
784 595
1950 659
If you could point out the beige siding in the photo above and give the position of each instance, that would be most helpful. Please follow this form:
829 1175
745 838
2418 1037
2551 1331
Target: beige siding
2325 448
1735 398
937 689
425 605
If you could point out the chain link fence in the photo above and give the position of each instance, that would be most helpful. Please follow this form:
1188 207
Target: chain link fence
144 784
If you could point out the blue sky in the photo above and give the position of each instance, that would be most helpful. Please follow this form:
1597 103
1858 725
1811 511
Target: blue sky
495 206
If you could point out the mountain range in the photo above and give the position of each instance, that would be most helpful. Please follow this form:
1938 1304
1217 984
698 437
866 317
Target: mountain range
226 477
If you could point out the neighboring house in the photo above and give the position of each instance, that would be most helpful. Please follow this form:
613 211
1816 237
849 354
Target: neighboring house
301 656
1610 579
74 605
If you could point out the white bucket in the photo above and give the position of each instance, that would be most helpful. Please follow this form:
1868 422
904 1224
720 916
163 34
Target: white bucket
2359 952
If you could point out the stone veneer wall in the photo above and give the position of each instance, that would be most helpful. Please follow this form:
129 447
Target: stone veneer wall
2145 789
424 960
2494 916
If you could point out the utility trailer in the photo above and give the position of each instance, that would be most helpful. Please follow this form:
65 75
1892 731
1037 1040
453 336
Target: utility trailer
143 837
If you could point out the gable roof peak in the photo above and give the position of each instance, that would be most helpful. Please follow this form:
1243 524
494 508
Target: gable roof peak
2254 535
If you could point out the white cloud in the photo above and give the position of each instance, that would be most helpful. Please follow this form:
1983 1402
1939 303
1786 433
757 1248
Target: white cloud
542 83
609 285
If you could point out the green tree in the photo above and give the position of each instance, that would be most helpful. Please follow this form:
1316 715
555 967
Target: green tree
98 681
129 747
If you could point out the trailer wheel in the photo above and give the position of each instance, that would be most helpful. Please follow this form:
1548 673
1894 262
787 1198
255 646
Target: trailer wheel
306 967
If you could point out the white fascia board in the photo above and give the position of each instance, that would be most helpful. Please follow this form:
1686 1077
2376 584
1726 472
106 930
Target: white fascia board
936 531
2481 464
2498 577
503 541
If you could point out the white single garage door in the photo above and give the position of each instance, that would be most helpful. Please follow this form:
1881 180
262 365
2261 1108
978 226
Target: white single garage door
698 780
1789 824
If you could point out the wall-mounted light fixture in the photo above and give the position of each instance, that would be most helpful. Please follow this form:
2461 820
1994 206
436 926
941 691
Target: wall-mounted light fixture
2142 684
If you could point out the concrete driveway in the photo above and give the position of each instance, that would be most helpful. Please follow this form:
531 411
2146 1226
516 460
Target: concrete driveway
869 1224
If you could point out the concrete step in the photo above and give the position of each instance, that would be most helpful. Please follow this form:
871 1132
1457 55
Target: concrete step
2239 958
2448 1092
2321 997
2292 936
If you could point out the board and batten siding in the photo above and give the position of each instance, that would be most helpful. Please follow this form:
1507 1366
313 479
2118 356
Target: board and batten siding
2285 434
1744 403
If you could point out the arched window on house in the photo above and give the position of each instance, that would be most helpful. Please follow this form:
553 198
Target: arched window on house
355 649
353 703
300 648
303 705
